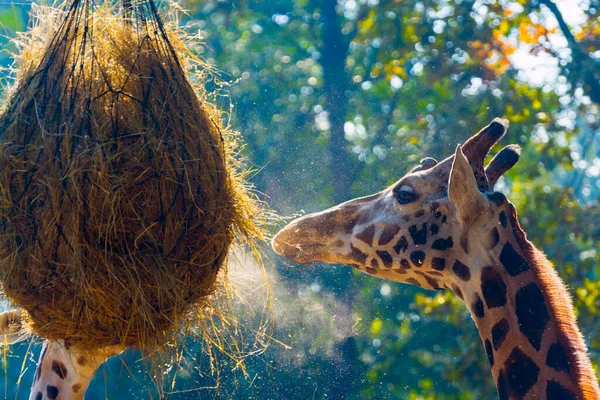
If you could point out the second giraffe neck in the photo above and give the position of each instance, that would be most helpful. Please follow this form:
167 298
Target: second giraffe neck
525 319
64 372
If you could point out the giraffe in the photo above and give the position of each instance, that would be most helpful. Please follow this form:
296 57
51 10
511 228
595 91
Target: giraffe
443 226
63 371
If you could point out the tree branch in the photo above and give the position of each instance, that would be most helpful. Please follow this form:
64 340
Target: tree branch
566 31
336 81
581 61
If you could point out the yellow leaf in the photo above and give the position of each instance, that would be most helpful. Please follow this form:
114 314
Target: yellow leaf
409 32
367 23
376 326
400 72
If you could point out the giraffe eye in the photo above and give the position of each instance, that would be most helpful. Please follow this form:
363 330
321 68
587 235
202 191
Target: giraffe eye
406 194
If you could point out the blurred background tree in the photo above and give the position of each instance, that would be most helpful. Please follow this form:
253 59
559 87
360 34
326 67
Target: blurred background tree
339 99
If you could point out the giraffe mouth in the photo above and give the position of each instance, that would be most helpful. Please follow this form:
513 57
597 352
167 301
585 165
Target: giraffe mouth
301 253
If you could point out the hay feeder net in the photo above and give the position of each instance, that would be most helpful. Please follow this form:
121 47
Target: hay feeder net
119 196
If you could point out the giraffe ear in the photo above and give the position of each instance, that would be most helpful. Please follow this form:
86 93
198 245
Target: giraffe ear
463 190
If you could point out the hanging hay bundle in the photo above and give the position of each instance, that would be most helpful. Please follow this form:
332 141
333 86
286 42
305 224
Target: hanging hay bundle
119 194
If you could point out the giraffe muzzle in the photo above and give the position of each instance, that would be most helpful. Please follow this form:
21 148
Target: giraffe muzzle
300 241
299 253
309 238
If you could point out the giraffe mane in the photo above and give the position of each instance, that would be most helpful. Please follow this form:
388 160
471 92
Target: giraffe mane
561 308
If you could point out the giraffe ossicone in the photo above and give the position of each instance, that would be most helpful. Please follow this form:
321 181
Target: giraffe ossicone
443 226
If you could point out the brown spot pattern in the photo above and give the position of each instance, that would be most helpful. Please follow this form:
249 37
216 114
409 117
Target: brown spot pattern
555 391
417 257
388 234
512 261
458 292
462 271
499 332
386 258
532 314
432 282
494 237
501 385
493 287
51 392
477 307
503 219
419 236
412 281
367 235
434 229
489 352
59 369
438 264
357 255
402 245
442 244
557 358
521 373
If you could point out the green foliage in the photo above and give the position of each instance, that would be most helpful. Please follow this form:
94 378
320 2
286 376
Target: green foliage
12 20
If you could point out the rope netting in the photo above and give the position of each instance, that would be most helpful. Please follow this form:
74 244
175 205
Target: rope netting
121 193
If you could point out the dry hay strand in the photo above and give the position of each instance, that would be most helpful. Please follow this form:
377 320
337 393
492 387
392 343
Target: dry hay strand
120 190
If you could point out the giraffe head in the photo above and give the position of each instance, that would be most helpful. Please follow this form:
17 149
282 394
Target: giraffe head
443 226
421 230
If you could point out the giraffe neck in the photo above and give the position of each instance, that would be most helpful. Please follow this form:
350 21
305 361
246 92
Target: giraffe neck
64 372
525 319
